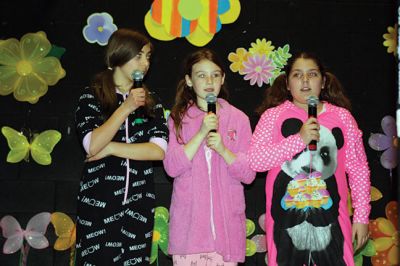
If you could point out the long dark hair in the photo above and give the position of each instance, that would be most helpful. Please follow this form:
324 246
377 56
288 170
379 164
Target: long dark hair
123 45
333 91
185 96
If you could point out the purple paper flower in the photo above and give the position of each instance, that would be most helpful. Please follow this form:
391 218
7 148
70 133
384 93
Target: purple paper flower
258 69
99 28
386 142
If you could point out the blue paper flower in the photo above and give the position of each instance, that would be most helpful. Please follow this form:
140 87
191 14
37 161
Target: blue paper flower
99 28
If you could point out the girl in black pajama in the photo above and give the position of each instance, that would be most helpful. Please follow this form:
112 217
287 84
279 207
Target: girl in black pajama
116 198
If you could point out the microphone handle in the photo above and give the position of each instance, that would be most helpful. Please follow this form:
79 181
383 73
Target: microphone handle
212 108
138 83
312 112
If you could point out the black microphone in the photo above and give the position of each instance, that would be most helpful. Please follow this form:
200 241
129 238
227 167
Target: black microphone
137 77
211 100
312 102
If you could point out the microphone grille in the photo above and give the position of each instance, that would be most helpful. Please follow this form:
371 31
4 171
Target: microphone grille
312 100
137 75
211 98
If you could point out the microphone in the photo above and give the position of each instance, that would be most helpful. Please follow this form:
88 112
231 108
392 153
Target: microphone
137 77
312 102
211 100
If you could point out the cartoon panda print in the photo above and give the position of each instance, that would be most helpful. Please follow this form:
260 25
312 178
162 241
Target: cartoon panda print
305 203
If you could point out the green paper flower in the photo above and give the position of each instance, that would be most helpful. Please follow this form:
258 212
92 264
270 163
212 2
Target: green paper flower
251 247
160 233
367 251
26 70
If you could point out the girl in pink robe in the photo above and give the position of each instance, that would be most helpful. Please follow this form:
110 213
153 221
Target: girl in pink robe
206 156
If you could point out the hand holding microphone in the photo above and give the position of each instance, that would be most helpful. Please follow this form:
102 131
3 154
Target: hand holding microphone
137 92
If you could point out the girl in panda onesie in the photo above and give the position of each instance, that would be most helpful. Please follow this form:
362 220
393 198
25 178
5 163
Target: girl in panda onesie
307 219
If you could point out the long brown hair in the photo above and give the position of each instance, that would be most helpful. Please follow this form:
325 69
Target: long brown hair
333 91
185 96
123 45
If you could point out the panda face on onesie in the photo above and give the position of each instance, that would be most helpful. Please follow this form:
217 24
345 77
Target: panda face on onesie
323 160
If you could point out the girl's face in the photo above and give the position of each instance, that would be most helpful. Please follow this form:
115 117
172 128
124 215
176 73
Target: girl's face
140 62
304 80
206 77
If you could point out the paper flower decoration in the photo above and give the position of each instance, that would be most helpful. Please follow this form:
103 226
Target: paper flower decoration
40 148
261 47
34 234
376 194
196 20
386 142
167 112
258 69
237 60
99 28
391 39
261 64
367 251
385 235
160 233
250 245
259 239
25 69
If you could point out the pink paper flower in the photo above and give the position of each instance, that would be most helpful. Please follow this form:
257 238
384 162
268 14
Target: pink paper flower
258 69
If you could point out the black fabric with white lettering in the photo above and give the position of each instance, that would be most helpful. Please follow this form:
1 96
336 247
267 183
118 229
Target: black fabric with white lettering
108 232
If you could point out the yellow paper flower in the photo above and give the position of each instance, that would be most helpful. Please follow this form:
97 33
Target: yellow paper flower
261 47
237 60
391 39
24 68
385 235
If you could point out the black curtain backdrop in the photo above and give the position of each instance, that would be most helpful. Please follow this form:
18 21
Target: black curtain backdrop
347 34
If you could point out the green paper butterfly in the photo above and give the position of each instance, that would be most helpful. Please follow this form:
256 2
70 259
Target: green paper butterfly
40 147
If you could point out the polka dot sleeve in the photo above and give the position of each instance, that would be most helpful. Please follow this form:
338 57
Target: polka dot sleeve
265 152
357 170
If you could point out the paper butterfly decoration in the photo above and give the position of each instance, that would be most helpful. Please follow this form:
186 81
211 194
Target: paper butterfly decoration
40 147
34 233
65 230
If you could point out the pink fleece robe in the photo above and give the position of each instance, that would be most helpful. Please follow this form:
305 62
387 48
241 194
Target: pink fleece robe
207 211
270 150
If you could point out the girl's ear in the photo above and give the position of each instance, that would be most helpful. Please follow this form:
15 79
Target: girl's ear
188 81
223 79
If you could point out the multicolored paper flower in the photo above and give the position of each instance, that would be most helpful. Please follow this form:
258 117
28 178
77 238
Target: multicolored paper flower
160 233
391 39
196 20
386 142
385 235
261 64
258 242
26 70
99 28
